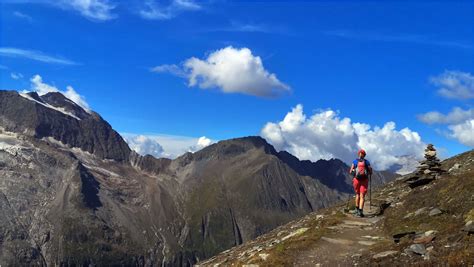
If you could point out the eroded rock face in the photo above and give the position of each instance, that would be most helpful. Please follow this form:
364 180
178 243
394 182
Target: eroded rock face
54 116
72 192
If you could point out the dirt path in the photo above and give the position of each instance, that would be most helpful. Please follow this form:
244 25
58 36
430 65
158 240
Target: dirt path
345 242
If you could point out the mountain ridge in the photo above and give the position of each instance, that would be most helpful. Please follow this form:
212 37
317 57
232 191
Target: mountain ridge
98 202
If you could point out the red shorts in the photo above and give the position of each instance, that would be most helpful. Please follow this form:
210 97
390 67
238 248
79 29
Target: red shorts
360 186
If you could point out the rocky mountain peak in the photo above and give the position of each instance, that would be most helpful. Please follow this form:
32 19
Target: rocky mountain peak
53 115
240 145
58 100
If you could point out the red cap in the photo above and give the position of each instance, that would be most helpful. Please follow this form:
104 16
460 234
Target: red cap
361 151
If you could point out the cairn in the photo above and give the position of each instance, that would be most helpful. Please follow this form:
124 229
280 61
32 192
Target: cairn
427 171
430 167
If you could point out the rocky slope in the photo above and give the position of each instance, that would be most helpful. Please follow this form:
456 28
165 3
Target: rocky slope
73 193
428 223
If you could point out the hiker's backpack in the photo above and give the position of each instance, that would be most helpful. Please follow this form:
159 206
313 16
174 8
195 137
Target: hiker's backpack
362 169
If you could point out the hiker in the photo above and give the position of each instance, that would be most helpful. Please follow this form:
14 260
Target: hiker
361 170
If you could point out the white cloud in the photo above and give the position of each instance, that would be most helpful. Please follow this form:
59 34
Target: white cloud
168 146
231 70
457 115
325 135
172 69
145 145
34 55
455 84
202 142
96 10
154 10
42 88
464 132
16 76
23 16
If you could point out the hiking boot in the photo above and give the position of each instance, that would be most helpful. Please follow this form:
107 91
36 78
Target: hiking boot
361 213
357 212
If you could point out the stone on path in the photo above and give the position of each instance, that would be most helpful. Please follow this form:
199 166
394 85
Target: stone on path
367 243
385 254
469 227
435 212
357 223
295 233
418 249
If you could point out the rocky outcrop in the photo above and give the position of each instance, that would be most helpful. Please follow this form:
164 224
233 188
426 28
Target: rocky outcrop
53 115
428 170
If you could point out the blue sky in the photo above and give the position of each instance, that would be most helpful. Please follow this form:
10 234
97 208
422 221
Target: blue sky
372 62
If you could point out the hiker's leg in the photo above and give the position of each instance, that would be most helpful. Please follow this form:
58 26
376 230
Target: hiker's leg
357 200
361 201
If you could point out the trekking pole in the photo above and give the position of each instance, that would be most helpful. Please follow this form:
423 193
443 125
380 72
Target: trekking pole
370 192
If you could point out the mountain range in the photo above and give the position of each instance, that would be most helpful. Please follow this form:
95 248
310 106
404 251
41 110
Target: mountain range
72 192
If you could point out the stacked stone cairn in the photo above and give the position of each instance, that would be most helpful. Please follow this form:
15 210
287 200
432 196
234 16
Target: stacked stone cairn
429 169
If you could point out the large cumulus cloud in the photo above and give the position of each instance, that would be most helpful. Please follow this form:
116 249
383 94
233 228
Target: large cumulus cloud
325 135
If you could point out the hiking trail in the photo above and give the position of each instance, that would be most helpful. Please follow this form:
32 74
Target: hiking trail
345 242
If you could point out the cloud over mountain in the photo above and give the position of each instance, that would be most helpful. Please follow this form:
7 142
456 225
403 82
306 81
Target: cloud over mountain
43 88
231 70
167 146
325 135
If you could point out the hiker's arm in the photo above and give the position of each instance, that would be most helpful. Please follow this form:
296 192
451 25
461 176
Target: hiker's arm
352 169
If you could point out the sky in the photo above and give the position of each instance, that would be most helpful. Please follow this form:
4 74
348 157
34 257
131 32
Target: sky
319 79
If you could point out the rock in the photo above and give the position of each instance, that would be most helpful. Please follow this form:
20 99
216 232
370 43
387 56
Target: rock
372 237
430 232
435 212
263 256
456 166
356 223
385 254
469 227
367 243
397 237
295 233
420 211
418 249
419 182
